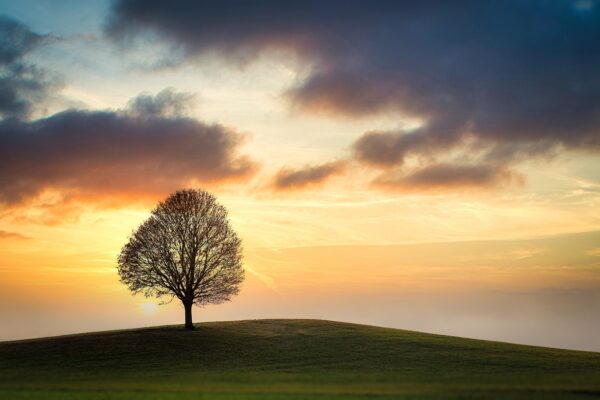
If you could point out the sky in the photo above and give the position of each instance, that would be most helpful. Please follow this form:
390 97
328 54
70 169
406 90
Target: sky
428 165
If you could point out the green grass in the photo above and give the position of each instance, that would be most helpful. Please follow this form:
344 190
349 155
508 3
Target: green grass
289 359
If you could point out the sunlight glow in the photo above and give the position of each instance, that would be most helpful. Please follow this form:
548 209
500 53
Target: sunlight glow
149 308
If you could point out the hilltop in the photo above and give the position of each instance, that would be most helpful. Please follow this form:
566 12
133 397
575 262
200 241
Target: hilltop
288 359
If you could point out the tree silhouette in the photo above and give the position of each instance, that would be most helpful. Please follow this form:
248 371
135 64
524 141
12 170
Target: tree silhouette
186 249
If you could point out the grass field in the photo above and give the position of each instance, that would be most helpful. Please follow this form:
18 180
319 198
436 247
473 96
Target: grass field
288 359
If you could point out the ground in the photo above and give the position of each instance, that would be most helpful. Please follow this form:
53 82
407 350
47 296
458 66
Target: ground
288 359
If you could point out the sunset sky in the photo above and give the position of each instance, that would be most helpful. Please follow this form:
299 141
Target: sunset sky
432 166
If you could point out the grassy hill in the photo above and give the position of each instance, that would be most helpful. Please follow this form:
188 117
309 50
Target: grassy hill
288 359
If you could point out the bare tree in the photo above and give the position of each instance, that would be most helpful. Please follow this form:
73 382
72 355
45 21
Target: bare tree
185 250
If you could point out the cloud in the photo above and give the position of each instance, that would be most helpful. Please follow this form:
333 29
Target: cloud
12 235
267 280
311 175
167 103
116 153
527 91
22 85
386 149
236 29
438 177
16 40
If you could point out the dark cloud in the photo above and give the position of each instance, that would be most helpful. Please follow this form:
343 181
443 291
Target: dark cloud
166 103
108 153
291 179
386 149
236 29
514 79
22 85
436 177
16 40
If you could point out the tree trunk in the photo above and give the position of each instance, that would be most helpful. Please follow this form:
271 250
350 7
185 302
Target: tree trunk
189 325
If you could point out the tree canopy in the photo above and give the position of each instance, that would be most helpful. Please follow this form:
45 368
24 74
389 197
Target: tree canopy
187 250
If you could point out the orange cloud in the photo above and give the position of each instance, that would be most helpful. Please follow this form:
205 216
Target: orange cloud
12 235
113 155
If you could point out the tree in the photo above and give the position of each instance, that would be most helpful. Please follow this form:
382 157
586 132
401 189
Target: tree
186 249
